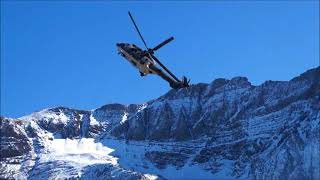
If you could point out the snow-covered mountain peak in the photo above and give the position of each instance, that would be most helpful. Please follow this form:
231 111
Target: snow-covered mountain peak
227 129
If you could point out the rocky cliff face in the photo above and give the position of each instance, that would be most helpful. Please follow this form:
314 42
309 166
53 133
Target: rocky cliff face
226 129
233 108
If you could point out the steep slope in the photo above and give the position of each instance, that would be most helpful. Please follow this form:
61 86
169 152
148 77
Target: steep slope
225 129
223 105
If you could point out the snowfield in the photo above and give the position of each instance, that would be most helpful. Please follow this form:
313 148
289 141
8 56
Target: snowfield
80 151
74 157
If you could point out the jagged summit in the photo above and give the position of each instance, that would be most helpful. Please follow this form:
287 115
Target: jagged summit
227 129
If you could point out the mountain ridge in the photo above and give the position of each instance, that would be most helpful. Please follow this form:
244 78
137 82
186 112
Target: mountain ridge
224 129
304 74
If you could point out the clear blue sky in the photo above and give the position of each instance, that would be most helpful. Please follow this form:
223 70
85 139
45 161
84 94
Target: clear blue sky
64 54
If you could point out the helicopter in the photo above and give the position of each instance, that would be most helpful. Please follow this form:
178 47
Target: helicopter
146 62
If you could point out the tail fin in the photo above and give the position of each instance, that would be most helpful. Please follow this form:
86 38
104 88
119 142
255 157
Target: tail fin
185 81
181 84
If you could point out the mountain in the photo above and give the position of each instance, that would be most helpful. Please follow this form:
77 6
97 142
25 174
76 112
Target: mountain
227 129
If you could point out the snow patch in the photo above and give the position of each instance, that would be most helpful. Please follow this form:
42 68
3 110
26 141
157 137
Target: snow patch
47 116
93 120
124 118
142 107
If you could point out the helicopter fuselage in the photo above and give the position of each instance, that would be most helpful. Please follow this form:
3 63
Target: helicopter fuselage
146 62
137 57
146 65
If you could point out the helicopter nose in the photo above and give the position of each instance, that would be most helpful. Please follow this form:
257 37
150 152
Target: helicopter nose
118 44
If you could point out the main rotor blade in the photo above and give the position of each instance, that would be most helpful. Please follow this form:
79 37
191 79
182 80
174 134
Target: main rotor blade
157 60
135 25
162 44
